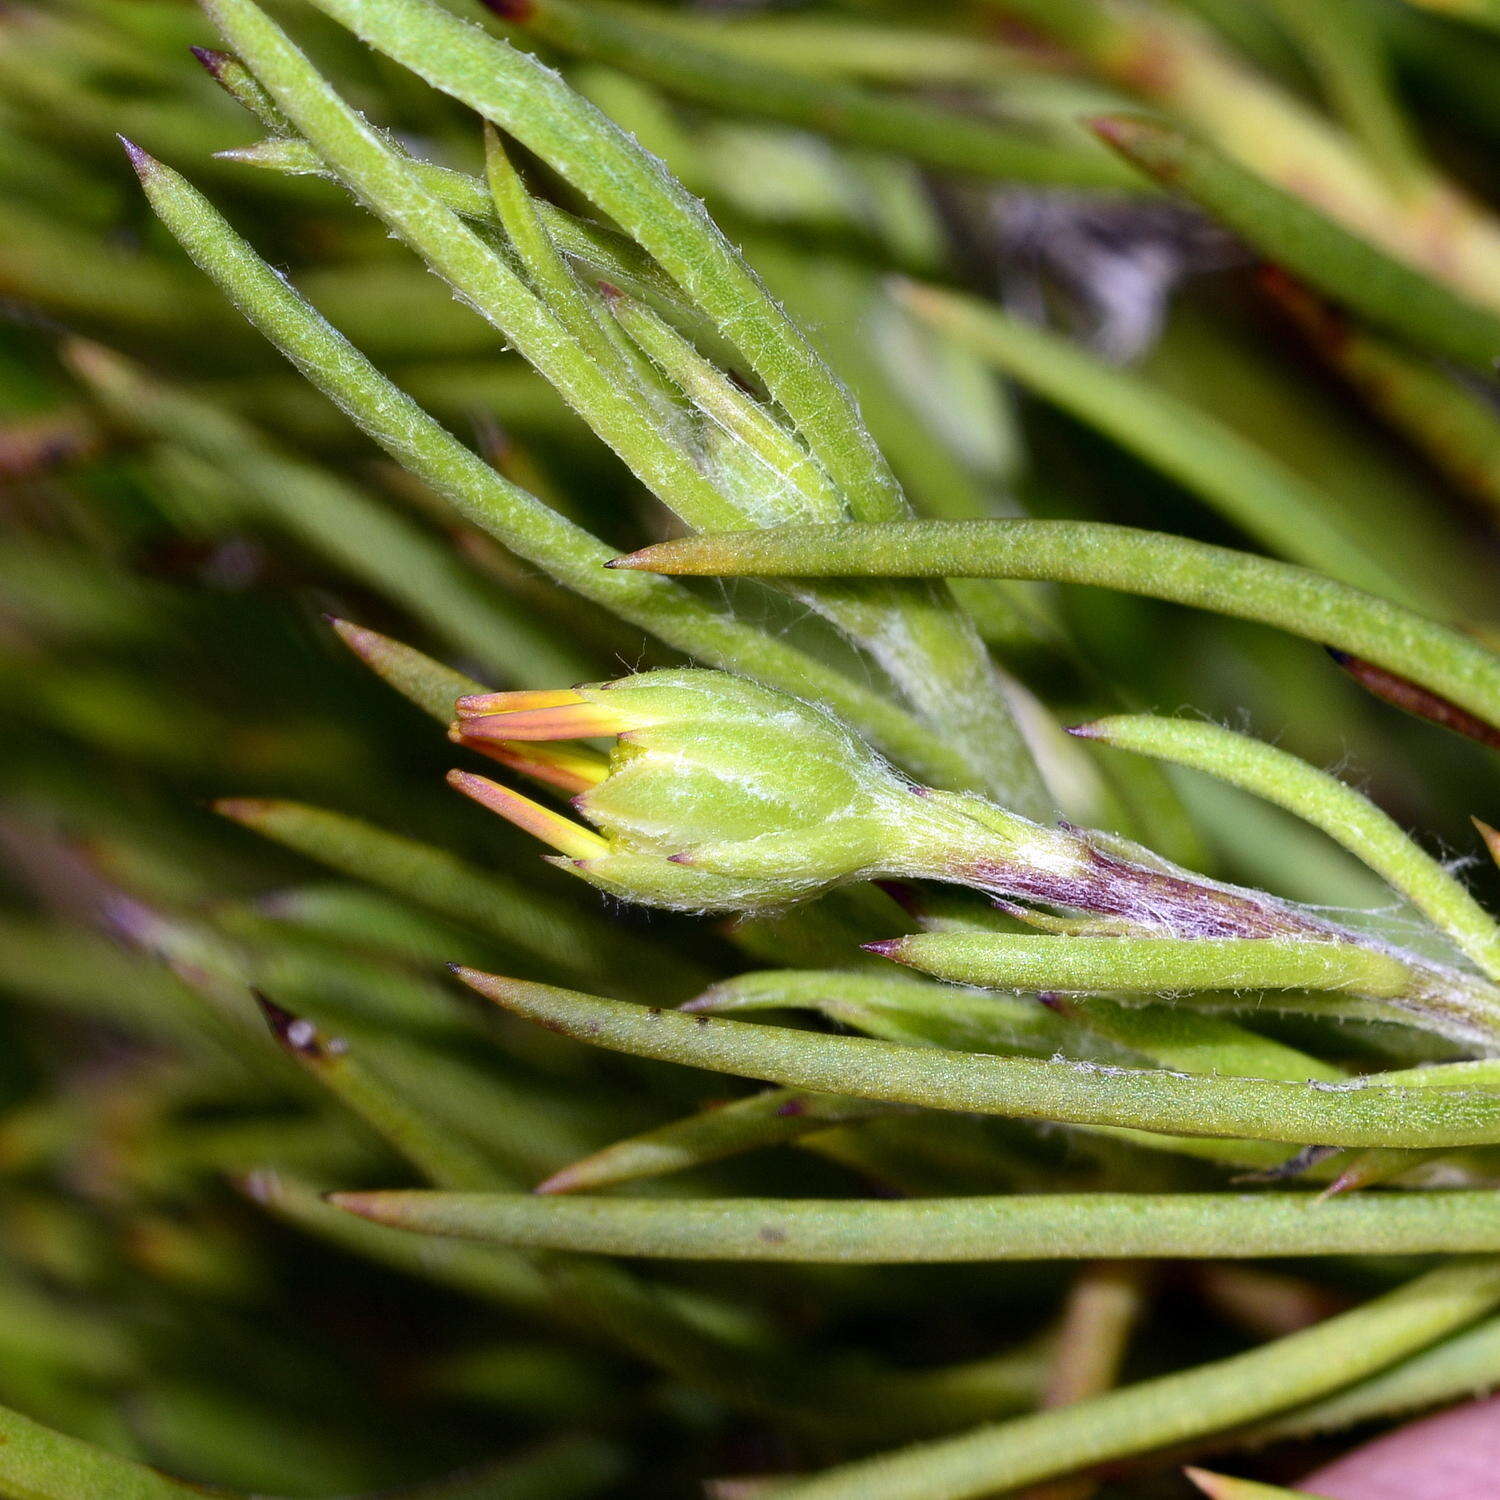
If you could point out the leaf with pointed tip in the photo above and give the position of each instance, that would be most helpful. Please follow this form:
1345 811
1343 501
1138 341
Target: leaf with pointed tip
433 687
1223 1487
1358 1113
1174 1408
1098 553
502 1277
1148 966
771 1118
936 1230
518 520
439 1153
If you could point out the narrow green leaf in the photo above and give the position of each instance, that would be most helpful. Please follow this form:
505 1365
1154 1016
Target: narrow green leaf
504 1278
240 84
774 1117
798 484
441 1155
368 540
922 1014
1343 813
1457 1368
532 104
1148 966
1245 484
433 687
37 1463
1455 426
1172 1408
1120 557
1358 1113
606 252
1039 1226
550 929
1292 234
896 1008
552 278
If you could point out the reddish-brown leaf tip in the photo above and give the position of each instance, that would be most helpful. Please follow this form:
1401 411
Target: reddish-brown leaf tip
1208 1483
362 1204
886 947
563 1181
241 809
294 1033
1112 128
1412 698
1087 731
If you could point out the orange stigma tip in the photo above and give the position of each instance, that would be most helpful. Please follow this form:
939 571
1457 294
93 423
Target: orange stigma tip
561 833
479 704
563 721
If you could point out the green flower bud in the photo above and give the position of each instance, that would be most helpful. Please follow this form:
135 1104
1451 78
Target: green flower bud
721 795
718 794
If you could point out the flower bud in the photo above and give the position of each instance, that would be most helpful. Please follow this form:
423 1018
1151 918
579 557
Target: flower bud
719 794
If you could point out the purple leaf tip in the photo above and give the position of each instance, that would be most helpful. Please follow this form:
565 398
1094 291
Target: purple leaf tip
213 61
141 160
